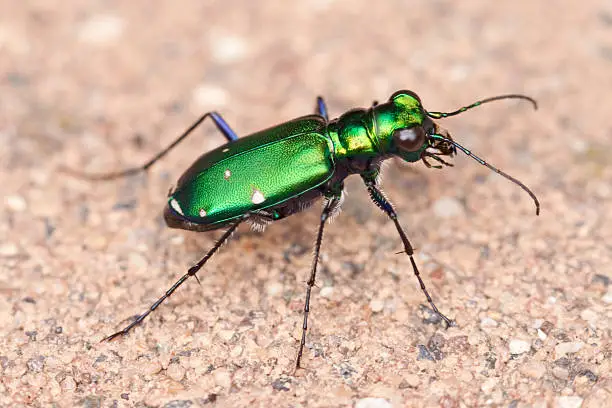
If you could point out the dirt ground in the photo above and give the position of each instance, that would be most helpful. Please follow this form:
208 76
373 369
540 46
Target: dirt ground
103 85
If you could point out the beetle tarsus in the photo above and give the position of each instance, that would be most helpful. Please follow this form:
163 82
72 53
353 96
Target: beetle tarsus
379 199
192 272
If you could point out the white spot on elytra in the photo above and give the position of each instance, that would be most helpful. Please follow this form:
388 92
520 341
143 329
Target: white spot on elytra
225 150
257 197
176 206
202 212
227 174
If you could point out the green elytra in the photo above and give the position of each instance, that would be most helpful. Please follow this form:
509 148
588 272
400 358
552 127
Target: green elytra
282 170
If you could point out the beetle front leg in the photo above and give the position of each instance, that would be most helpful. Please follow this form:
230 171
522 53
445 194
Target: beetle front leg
381 201
331 207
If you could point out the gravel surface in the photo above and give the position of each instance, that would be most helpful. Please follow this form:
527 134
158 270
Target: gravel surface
103 85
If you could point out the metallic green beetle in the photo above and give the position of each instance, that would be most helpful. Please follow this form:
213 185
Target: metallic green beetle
282 170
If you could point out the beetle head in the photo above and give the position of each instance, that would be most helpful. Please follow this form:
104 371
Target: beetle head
414 135
413 130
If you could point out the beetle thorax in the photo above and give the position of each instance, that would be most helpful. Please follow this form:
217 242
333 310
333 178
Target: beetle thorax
354 136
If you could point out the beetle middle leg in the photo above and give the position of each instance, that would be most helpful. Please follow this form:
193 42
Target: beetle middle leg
218 120
331 207
380 200
191 272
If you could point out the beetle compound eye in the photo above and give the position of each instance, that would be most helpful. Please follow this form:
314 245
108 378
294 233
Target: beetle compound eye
410 139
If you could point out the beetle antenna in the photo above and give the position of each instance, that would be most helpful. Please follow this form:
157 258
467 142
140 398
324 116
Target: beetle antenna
495 169
440 115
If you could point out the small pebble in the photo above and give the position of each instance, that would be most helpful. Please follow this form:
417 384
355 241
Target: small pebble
150 367
274 288
377 305
568 401
562 349
36 364
226 335
175 371
589 316
228 48
101 29
8 249
607 298
236 351
489 384
327 292
533 369
488 322
222 378
15 203
448 207
68 384
517 346
207 95
541 335
177 240
561 373
412 380
373 403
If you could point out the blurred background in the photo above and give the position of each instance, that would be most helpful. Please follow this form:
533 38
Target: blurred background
103 85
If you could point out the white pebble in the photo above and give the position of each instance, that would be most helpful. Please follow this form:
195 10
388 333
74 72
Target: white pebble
488 385
13 41
607 298
228 48
448 207
541 335
207 95
373 403
488 322
566 348
377 305
519 346
568 401
326 292
589 316
275 288
8 250
222 378
15 203
101 29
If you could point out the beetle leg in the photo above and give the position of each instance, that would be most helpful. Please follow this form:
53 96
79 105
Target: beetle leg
223 127
192 272
321 108
331 206
221 124
381 201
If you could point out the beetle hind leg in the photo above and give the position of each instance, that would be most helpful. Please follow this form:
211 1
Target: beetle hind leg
217 119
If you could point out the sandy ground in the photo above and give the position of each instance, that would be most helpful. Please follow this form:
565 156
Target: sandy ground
103 85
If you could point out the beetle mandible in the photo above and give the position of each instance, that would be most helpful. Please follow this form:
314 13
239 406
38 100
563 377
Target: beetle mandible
272 174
